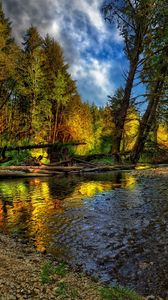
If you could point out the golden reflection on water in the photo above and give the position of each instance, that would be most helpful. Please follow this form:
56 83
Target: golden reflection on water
30 206
43 208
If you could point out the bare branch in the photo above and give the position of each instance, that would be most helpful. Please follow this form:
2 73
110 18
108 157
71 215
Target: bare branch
111 7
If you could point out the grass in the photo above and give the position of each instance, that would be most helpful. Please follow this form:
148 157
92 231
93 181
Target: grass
66 291
61 290
118 293
70 286
61 269
45 273
47 270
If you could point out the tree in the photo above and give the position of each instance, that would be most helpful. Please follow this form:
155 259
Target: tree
150 113
154 74
131 124
30 82
115 103
79 124
9 52
133 19
59 86
98 126
8 57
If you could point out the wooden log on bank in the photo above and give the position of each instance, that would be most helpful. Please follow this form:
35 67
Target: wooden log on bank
20 174
27 171
73 160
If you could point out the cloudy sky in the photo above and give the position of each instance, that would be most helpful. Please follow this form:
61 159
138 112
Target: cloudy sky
92 47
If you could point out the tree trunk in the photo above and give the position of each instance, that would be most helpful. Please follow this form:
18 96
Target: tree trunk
124 108
147 121
55 125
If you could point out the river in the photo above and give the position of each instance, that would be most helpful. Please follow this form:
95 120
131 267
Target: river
112 226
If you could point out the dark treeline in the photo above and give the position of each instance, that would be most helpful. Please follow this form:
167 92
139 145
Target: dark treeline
40 103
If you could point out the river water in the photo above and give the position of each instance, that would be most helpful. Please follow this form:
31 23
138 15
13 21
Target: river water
112 226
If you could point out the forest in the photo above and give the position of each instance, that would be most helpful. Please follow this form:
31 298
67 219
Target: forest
83 188
40 102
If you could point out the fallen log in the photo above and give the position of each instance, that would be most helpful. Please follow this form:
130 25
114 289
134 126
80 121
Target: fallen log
84 162
39 146
20 174
30 168
72 160
28 171
105 169
50 170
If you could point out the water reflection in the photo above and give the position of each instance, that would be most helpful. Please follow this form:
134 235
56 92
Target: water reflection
28 206
105 223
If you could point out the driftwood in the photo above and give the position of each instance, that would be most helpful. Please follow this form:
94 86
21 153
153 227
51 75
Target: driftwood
29 169
50 170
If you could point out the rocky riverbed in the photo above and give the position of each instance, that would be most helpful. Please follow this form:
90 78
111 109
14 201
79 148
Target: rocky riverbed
21 276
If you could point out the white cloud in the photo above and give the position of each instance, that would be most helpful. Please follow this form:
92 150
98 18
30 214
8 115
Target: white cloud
81 30
93 12
96 77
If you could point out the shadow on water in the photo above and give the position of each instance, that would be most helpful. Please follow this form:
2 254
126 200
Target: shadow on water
108 225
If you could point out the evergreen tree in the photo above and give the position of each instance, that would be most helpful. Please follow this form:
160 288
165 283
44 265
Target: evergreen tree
59 86
8 57
30 82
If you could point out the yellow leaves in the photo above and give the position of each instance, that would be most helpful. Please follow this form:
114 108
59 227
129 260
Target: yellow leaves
80 127
162 135
131 128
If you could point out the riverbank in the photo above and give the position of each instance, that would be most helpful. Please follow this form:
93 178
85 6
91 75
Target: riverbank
26 274
72 166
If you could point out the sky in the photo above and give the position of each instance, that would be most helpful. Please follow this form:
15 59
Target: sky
92 47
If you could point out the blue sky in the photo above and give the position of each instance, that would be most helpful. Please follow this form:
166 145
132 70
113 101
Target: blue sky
93 48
